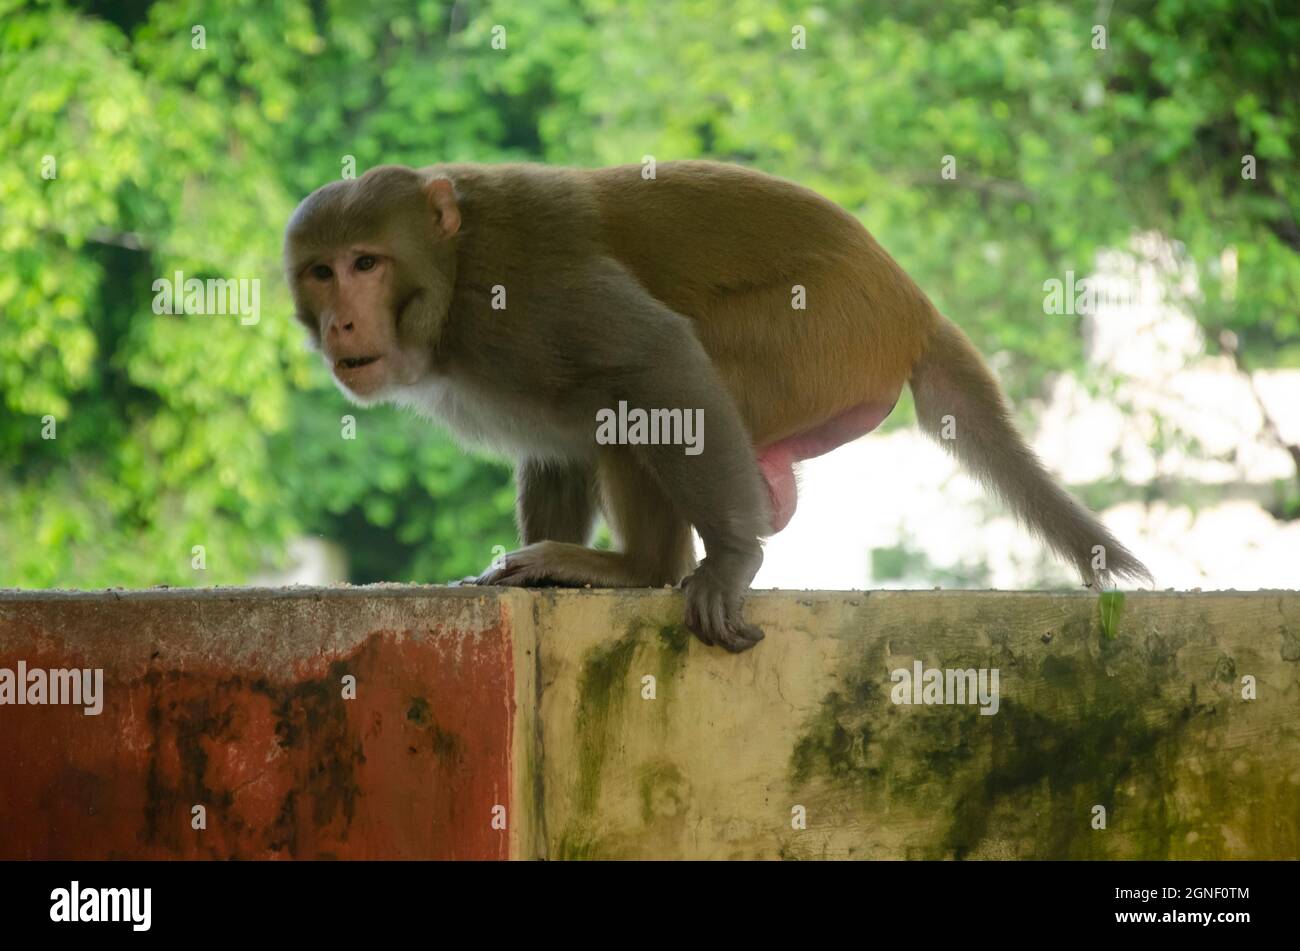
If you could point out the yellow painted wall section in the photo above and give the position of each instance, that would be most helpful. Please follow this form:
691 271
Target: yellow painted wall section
1129 736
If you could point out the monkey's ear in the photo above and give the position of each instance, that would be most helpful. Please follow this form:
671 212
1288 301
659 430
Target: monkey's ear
442 199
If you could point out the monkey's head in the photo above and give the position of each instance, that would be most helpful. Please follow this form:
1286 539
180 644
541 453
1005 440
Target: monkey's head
371 263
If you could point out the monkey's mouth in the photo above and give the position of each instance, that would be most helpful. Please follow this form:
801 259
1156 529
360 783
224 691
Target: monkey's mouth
352 363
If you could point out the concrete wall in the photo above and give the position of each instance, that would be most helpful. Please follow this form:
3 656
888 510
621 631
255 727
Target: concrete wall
582 724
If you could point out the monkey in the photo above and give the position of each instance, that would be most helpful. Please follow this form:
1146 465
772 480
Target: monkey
517 303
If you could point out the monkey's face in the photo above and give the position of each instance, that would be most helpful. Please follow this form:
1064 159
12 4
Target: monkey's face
371 267
351 297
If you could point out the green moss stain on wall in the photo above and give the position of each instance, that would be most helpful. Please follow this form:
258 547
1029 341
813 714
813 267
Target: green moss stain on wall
674 643
1084 722
443 742
602 690
838 739
605 684
663 791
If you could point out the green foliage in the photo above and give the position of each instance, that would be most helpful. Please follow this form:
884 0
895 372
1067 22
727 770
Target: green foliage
185 430
1110 609
903 560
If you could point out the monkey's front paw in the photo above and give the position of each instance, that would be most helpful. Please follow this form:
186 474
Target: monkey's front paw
528 567
713 613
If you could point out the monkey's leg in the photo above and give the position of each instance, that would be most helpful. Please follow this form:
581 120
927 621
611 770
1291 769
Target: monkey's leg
557 505
557 501
556 510
656 542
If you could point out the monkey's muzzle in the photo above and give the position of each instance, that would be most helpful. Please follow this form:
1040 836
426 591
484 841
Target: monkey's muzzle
352 363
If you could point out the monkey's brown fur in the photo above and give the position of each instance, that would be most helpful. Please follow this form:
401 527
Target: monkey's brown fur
674 291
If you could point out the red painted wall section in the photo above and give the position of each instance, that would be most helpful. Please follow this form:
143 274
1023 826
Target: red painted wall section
237 704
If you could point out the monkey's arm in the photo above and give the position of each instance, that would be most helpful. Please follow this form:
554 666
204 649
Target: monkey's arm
720 491
643 353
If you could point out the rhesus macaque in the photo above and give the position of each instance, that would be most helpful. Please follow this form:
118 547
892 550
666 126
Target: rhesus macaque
519 304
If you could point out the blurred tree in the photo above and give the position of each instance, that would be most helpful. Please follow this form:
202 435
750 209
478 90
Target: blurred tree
183 133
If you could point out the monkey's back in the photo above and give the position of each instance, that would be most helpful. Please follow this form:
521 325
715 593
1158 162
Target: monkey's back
802 311
777 278
699 228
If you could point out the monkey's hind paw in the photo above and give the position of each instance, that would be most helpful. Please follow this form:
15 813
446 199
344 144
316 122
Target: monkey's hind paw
714 617
534 566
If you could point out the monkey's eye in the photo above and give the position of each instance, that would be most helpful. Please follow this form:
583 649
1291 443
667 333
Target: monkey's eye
322 272
365 262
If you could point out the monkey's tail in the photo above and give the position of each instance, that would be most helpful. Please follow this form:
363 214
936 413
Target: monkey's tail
960 404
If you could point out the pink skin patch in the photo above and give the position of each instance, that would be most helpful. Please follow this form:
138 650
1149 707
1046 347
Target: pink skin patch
777 461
